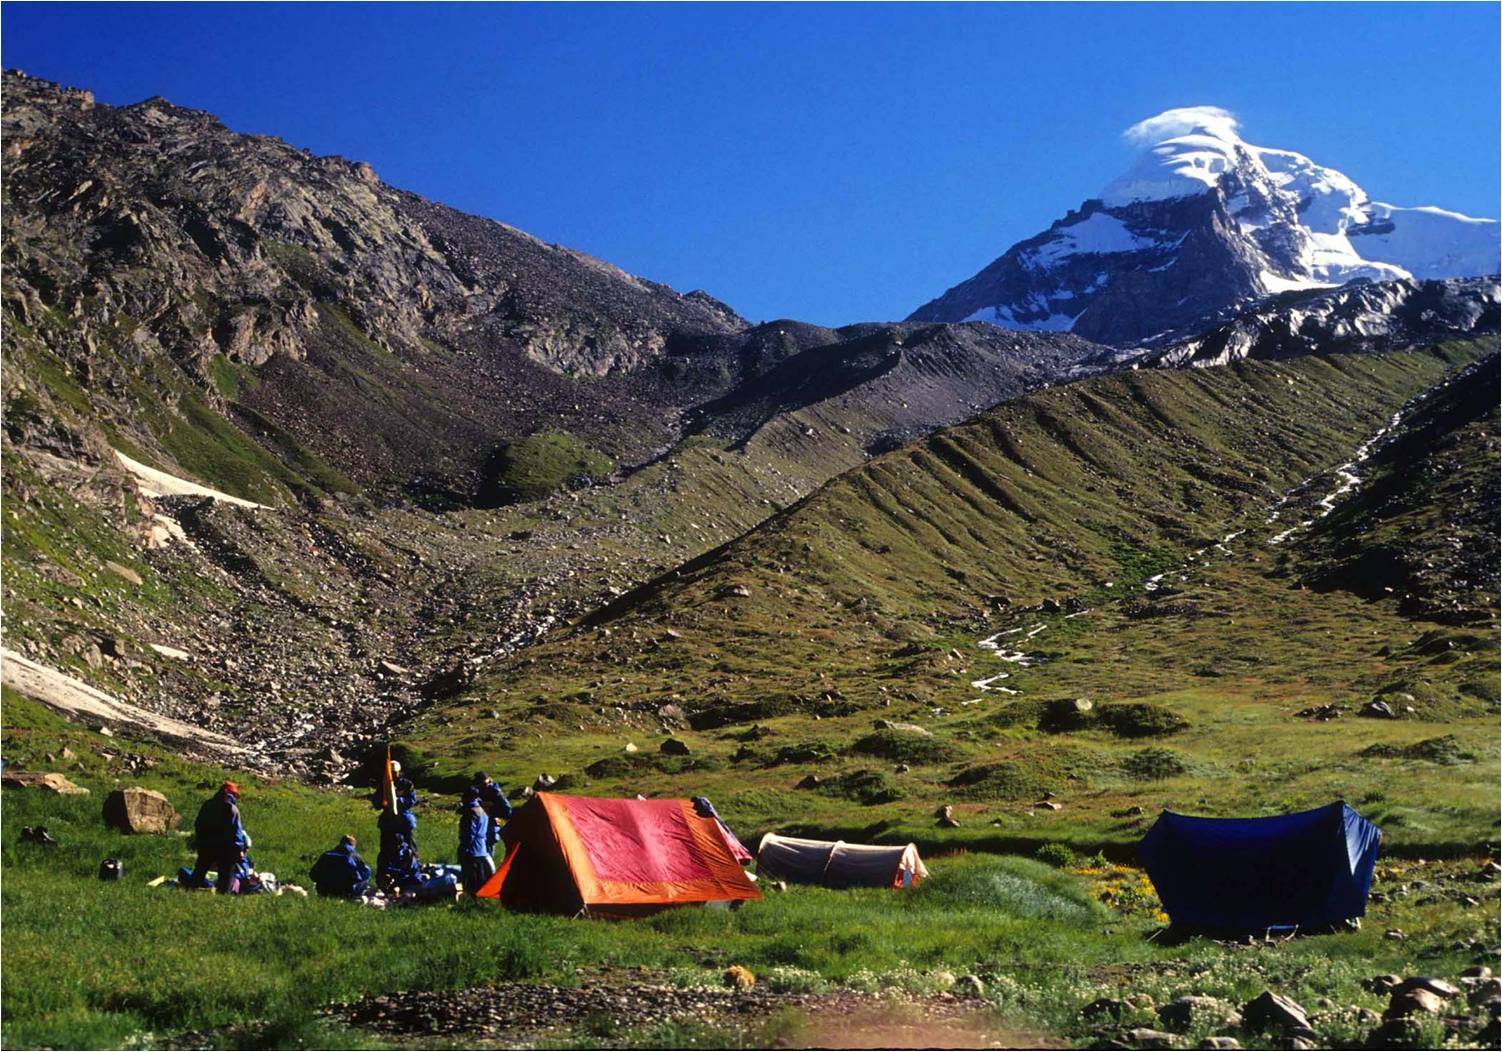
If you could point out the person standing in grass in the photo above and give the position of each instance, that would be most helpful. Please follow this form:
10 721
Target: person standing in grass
398 868
474 840
220 839
493 797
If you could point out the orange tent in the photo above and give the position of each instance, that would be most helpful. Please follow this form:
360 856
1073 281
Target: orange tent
580 854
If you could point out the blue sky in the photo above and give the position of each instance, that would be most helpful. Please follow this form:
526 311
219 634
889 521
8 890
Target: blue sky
832 163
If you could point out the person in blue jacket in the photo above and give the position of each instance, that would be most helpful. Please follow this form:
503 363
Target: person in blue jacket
341 873
474 841
398 867
220 839
493 797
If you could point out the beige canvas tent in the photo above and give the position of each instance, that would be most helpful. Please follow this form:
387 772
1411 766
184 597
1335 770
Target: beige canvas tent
836 864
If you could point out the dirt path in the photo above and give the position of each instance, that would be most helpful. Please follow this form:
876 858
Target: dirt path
911 1025
155 483
512 1013
78 700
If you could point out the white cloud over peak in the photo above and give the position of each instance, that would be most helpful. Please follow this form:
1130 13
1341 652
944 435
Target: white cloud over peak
1186 120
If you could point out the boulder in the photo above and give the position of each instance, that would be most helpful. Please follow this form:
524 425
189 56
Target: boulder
739 977
1484 991
138 810
125 573
1226 1043
1378 710
1269 1011
50 781
736 591
903 728
1103 1007
674 747
1181 1013
1394 1033
1438 987
1414 1001
1144 1037
946 817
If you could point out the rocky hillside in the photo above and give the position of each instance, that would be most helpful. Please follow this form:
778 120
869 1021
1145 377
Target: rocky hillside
888 384
1421 528
1202 225
457 435
172 269
234 309
1364 316
1115 540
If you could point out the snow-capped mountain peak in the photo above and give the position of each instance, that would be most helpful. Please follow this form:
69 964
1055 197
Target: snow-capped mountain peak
1203 223
1185 151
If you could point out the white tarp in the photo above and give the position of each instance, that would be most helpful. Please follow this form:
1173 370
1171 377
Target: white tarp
836 864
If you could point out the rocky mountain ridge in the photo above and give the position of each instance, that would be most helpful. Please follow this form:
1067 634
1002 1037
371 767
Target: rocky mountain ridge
334 334
1363 316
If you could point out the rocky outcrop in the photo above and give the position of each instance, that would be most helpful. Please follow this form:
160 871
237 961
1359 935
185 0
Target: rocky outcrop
138 810
1360 317
49 781
164 262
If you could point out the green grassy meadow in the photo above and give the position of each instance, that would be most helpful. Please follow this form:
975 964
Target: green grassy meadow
91 964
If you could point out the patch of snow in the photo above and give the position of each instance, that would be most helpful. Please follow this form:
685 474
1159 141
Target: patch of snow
1273 283
1099 233
1429 242
156 483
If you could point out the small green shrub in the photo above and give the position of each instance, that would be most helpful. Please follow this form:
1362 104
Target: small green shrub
1446 750
1125 720
1154 763
1060 856
864 787
540 464
905 747
1004 780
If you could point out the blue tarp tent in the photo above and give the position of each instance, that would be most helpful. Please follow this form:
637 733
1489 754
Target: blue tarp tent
1310 869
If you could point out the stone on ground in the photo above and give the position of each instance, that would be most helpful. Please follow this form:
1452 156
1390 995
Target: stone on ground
49 781
138 810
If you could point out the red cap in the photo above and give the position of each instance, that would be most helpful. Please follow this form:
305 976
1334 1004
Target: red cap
230 787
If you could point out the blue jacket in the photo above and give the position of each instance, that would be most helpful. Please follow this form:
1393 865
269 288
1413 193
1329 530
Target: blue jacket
398 861
474 827
218 825
493 797
340 872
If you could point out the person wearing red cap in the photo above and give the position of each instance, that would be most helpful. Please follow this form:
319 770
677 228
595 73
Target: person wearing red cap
221 840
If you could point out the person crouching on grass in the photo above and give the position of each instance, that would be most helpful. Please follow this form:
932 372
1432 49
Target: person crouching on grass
341 873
